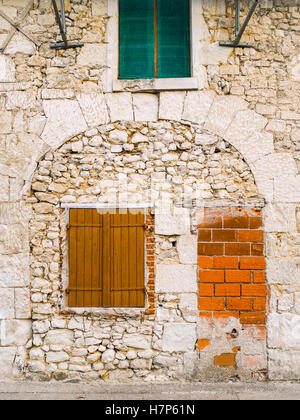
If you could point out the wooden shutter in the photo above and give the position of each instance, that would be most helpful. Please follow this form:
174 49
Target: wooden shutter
136 39
106 258
173 38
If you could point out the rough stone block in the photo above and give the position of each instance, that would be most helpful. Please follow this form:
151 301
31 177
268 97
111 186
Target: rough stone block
284 331
171 105
7 303
222 112
179 337
176 222
197 105
138 341
15 332
22 303
64 120
60 337
94 108
92 55
14 270
283 271
244 125
7 357
7 69
145 107
5 122
280 218
187 249
176 278
120 106
283 365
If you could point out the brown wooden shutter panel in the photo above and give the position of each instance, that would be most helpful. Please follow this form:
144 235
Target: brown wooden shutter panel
106 259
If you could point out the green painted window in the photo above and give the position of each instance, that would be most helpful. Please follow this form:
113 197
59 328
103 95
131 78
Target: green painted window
154 39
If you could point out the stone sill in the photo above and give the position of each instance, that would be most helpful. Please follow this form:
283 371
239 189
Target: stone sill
155 85
128 312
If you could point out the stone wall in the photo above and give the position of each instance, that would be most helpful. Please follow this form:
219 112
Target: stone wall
66 138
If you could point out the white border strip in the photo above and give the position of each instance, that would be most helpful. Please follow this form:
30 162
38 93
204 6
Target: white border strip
105 206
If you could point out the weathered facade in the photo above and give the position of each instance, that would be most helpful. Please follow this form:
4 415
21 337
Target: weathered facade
212 160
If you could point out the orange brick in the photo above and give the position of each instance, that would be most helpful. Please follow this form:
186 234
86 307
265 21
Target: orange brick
253 317
206 289
257 250
227 290
224 235
259 277
259 304
205 262
236 222
204 235
226 314
251 236
225 359
211 304
202 344
211 276
255 263
237 276
239 304
211 218
239 248
226 262
255 222
206 248
254 290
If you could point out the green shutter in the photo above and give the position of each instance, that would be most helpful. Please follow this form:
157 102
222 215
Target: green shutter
136 39
173 47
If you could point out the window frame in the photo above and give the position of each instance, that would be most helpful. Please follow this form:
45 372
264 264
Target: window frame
101 310
156 44
112 83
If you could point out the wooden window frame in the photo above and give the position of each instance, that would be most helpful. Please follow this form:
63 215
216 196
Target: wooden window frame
156 40
148 241
112 83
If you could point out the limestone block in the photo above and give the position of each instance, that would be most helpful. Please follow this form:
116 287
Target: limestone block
137 341
13 239
258 145
99 7
187 249
145 107
171 105
22 303
287 188
57 357
7 69
94 108
283 365
59 337
20 99
12 213
244 125
14 270
213 53
176 278
284 331
284 271
197 105
20 44
120 106
280 218
4 188
179 337
188 304
176 222
7 303
92 55
7 357
15 332
222 112
5 122
64 120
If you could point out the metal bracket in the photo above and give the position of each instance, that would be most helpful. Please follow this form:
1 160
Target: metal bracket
239 31
61 21
16 27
